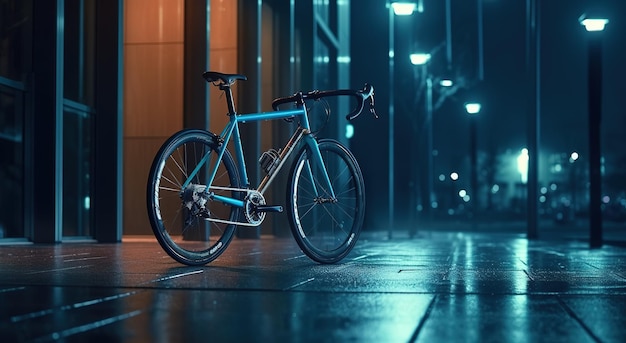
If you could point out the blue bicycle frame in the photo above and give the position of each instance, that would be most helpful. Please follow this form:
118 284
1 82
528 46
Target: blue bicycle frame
232 131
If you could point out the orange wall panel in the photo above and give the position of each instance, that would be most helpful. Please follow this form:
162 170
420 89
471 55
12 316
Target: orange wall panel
223 24
153 92
153 95
153 21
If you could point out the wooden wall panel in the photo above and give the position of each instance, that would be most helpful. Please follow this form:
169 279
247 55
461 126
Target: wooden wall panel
139 151
153 21
223 25
153 92
223 56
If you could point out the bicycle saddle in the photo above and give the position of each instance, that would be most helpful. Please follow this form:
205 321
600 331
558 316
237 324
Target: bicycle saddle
212 76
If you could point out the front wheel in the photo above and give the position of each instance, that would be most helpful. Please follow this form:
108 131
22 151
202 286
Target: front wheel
326 227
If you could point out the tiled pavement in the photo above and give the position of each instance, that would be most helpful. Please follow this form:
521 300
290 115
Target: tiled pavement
434 287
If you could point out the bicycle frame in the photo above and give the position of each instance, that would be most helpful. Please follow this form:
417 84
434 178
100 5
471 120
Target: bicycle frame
231 131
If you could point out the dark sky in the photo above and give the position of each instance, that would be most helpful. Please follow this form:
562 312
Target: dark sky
503 123
563 73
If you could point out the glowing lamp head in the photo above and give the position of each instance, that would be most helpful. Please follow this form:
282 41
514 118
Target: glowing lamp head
593 24
419 59
403 8
472 107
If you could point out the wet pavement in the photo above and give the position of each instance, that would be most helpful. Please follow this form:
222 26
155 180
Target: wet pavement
434 287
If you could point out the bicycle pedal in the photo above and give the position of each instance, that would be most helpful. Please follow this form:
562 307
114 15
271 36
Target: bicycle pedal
266 208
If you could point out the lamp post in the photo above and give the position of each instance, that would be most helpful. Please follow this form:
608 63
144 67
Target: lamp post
594 27
395 8
472 109
422 59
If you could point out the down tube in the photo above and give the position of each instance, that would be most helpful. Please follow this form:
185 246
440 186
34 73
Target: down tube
317 158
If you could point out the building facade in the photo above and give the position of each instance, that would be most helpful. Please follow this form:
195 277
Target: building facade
90 89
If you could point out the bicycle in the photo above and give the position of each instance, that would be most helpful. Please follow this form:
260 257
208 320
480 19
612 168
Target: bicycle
197 192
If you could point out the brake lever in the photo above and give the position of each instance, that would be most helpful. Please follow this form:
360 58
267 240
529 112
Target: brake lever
372 110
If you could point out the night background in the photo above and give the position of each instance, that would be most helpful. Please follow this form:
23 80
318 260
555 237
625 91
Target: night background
502 126
91 89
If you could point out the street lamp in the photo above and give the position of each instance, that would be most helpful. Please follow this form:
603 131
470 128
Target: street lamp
419 58
473 108
403 8
392 6
422 59
594 26
446 83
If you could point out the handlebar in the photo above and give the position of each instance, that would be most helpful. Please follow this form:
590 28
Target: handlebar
360 95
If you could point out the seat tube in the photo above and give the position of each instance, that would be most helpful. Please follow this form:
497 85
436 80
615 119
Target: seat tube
243 171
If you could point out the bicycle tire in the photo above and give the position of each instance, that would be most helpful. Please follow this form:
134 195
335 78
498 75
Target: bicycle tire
326 230
180 224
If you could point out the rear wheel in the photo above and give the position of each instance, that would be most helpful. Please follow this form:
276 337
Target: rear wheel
325 227
181 215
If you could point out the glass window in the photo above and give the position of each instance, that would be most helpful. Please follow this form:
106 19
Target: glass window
11 163
15 61
15 42
77 171
78 92
79 55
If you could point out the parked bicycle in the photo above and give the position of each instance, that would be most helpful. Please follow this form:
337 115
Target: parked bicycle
198 194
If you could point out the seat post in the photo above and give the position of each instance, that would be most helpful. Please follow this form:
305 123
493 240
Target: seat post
228 92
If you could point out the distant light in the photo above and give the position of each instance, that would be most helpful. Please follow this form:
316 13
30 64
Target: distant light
462 193
343 59
593 24
434 204
322 59
472 107
522 165
349 131
454 176
446 83
442 177
544 190
495 188
573 157
419 59
466 198
606 199
403 8
542 199
553 187
87 202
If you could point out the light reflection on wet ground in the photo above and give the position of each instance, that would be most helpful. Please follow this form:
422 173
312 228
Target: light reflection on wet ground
466 287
